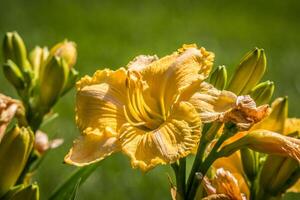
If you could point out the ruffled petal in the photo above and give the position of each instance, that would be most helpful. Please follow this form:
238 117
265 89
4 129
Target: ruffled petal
91 148
174 139
100 101
170 75
212 103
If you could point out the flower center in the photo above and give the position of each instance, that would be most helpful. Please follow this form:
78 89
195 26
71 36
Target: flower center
137 111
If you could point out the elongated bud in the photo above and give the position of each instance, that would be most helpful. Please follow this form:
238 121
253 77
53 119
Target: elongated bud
52 81
276 173
67 51
72 78
15 149
250 162
263 92
249 72
37 58
7 47
14 75
20 52
264 141
21 192
219 77
276 120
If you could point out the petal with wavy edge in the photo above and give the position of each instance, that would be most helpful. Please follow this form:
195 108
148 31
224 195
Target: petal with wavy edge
91 148
212 103
170 75
100 101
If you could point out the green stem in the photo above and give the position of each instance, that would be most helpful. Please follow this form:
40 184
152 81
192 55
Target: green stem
230 129
180 173
205 138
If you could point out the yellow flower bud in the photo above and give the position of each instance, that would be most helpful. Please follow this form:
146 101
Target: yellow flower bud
276 120
219 77
67 51
263 92
52 81
249 72
15 149
14 75
264 141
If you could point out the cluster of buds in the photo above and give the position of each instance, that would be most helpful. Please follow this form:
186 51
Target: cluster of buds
40 77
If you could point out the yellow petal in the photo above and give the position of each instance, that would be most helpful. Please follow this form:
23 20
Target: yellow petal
174 139
91 148
292 125
140 62
233 164
100 101
170 75
212 103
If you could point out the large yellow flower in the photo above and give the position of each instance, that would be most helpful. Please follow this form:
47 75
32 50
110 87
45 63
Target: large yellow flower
152 110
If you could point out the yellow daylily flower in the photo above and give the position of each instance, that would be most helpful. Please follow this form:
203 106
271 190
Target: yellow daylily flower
152 110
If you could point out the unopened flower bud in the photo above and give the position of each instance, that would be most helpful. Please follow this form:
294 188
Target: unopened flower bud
276 120
263 92
14 75
15 149
276 174
7 47
37 57
72 78
250 162
67 51
264 141
219 77
249 72
52 81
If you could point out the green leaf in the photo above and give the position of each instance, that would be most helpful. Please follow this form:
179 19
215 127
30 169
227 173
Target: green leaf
291 196
68 190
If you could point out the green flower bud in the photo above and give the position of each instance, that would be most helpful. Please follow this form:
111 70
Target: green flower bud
14 75
249 72
219 77
72 78
15 149
20 51
52 81
21 192
66 50
250 162
276 173
263 92
7 47
37 58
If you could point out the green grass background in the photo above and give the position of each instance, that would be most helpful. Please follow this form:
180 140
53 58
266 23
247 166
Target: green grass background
110 33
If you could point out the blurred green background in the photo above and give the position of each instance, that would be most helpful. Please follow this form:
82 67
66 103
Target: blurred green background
110 33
